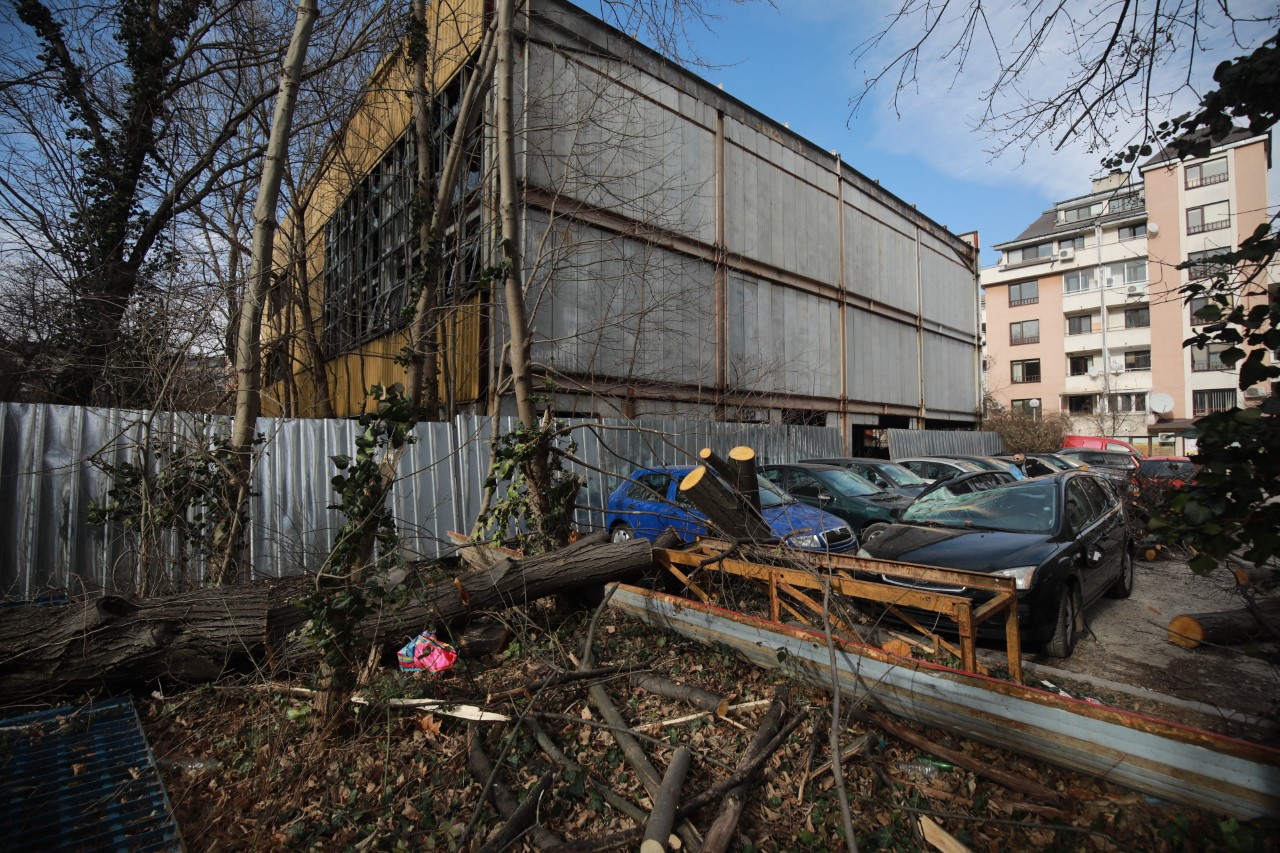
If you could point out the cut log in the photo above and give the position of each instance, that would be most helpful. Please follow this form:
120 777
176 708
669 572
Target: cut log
658 828
1226 628
725 509
117 643
716 463
687 693
746 479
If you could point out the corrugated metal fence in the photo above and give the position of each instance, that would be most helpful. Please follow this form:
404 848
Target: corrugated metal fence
905 443
54 463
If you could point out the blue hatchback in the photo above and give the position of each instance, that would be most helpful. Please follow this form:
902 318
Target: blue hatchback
650 501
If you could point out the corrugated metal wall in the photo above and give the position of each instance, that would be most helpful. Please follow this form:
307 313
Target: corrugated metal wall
49 479
626 152
904 443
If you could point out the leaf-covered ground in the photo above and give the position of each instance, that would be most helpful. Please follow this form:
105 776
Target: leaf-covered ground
247 769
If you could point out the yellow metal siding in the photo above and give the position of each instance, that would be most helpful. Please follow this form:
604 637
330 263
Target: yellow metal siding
383 116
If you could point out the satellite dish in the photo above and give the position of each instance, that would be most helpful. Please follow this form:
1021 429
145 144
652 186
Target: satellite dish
1161 404
1034 402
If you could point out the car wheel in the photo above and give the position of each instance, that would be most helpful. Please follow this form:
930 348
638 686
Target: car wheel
1063 642
622 532
871 531
1123 587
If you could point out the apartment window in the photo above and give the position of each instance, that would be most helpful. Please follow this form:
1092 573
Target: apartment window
1079 365
1208 358
1208 217
1129 401
1026 293
1080 325
1137 318
1025 332
1077 281
1029 253
1204 265
1025 371
1029 407
1132 232
1127 272
1196 304
1081 404
1137 359
1210 172
1207 402
1072 242
1084 211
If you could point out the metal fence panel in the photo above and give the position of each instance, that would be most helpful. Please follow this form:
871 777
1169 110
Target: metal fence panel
53 467
904 443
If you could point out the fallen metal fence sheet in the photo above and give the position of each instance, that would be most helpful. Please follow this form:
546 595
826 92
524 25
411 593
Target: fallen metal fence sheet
82 778
1169 761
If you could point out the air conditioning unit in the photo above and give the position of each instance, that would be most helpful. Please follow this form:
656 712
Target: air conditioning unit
1066 254
1095 372
1117 365
1135 289
1166 437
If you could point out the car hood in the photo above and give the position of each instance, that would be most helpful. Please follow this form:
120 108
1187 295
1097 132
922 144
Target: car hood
953 548
798 517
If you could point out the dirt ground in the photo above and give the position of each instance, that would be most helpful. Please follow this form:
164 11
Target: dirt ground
1127 653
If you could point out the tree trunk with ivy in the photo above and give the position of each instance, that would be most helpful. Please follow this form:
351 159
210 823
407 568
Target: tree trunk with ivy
118 643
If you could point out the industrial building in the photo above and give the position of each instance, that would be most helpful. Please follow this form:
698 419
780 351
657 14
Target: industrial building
683 254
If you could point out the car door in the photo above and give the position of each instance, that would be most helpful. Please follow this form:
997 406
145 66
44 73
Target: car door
1113 533
1090 527
654 503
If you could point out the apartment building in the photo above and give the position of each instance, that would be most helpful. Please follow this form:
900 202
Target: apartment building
1083 314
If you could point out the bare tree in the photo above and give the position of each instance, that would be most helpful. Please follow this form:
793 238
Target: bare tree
120 121
1128 62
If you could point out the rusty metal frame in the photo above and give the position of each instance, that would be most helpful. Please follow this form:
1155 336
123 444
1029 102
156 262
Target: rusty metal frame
710 555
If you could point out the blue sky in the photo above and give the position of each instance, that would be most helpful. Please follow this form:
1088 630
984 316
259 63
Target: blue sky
795 64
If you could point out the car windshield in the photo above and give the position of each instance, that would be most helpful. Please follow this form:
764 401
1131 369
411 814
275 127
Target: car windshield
770 496
846 483
1026 506
899 476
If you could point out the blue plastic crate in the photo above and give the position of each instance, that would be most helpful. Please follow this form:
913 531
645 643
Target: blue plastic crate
82 778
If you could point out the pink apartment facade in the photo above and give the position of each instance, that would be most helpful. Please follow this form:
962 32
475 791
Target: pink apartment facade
1083 316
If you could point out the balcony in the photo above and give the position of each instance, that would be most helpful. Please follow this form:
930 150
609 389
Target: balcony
1032 300
1209 226
1192 183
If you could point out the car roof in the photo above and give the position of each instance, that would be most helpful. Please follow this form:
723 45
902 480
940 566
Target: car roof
808 466
663 469
927 459
1167 459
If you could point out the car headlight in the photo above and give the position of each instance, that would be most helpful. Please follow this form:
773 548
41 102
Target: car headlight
1022 575
863 552
805 540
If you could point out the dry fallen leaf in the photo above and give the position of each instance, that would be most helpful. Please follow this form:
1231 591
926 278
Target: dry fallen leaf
429 725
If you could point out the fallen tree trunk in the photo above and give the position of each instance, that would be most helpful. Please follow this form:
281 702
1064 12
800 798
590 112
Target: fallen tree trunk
1225 628
725 826
115 642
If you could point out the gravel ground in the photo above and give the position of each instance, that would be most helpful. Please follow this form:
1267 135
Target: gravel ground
1127 652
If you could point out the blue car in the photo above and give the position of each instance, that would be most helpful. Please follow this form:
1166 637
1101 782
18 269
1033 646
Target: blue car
650 501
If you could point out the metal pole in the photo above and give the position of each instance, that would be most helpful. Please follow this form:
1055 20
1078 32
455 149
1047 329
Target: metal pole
1102 299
